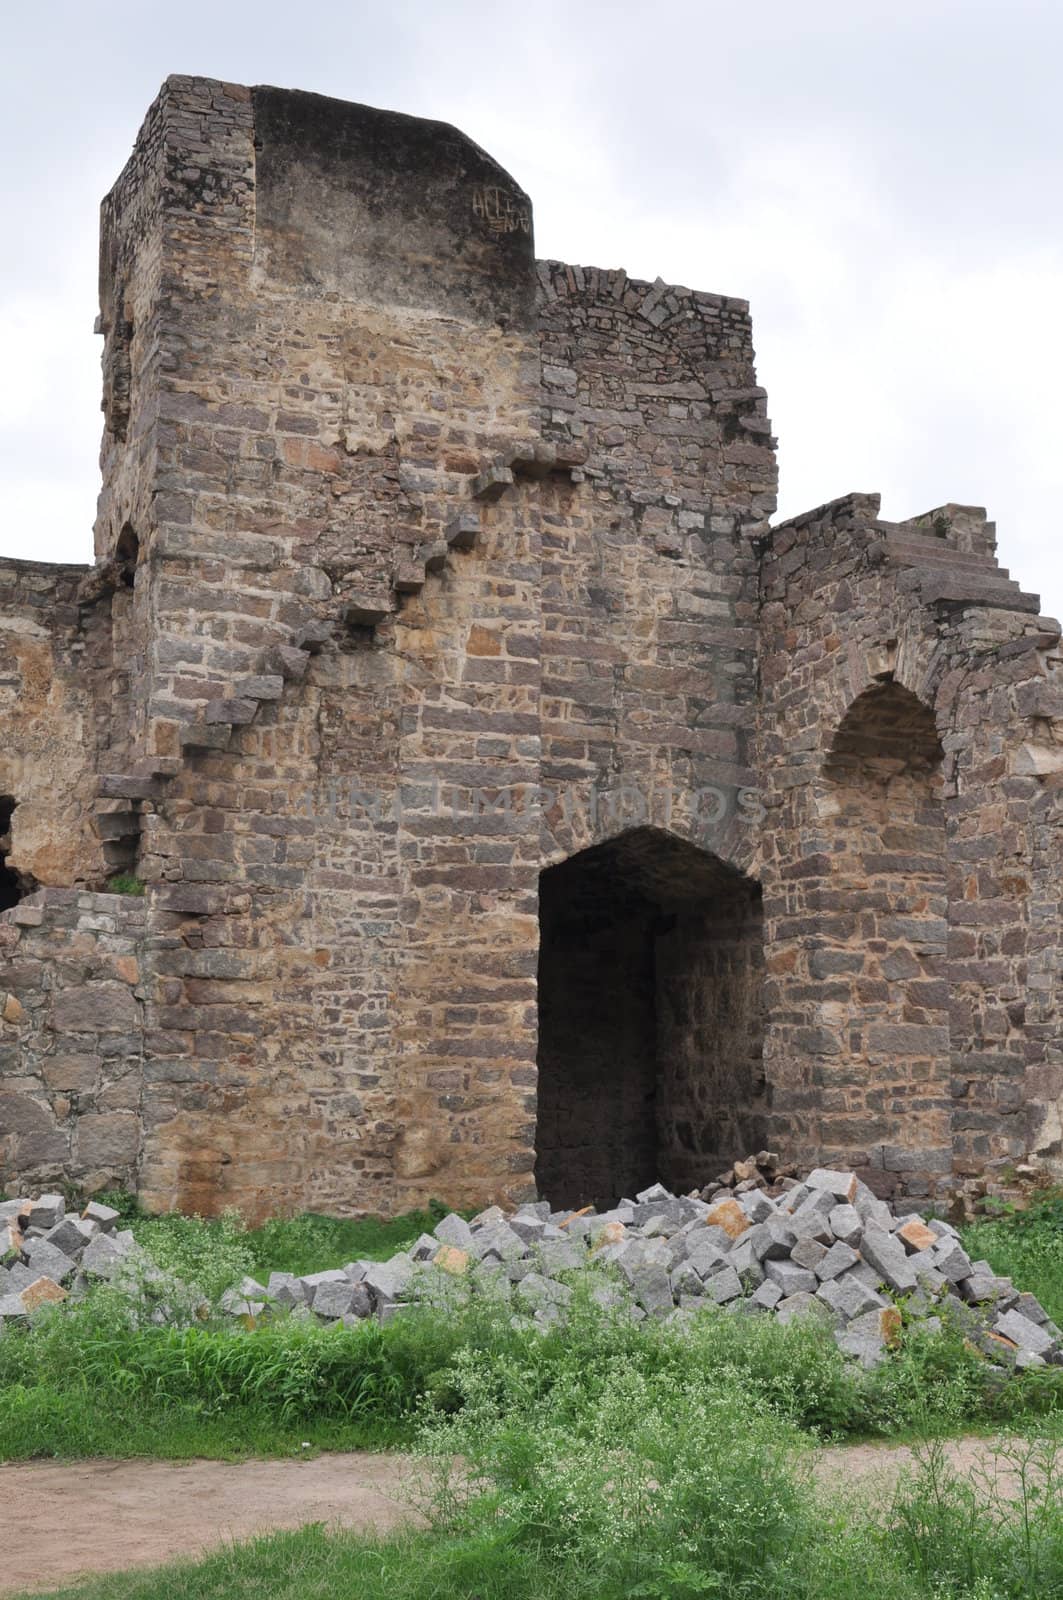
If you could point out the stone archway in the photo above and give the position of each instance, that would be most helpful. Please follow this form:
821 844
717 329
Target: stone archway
882 937
650 1018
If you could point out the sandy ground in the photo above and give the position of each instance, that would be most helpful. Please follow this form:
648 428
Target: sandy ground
103 1516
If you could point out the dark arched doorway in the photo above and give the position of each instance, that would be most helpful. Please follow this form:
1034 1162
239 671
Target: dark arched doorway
650 1019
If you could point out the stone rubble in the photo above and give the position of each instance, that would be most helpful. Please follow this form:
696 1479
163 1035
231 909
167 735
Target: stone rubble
823 1247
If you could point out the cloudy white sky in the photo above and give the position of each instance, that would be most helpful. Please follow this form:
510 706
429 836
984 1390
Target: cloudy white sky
881 180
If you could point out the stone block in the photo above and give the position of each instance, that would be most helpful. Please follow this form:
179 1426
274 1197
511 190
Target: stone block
800 1304
791 1278
46 1211
333 1300
888 1258
808 1253
653 1289
536 1292
724 1286
285 1289
842 1185
728 1215
104 1256
48 1262
390 1280
767 1295
558 1255
846 1224
866 1338
1026 1335
454 1230
838 1259
916 1235
496 1239
951 1260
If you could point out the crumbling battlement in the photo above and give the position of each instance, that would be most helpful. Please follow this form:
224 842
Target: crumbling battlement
515 805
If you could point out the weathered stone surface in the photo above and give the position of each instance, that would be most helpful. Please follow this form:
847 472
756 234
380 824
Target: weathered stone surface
446 762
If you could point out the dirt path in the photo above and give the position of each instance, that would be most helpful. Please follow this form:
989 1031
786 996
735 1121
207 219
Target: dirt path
103 1516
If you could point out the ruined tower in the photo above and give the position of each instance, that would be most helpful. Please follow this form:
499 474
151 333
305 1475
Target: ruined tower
513 804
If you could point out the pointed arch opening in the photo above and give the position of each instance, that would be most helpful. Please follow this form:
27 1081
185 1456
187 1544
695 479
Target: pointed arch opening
879 952
650 1019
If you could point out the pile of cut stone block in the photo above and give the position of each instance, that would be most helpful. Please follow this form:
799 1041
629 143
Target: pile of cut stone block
45 1255
823 1247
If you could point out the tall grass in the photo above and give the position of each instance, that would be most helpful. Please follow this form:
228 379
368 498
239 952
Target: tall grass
96 1379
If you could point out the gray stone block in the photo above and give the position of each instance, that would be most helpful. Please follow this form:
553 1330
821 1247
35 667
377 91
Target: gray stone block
103 1256
685 1281
311 1280
706 1257
724 1286
838 1259
768 1295
863 1340
1029 1336
70 1235
1027 1306
889 1259
757 1206
389 1280
846 1224
454 1230
333 1300
535 1291
842 1185
780 1237
984 1286
496 1239
850 1297
653 1290
951 1260
48 1262
285 1289
791 1278
560 1255
800 1304
808 1253
46 1211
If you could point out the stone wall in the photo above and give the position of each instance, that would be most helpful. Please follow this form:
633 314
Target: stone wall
51 658
899 886
514 803
72 1037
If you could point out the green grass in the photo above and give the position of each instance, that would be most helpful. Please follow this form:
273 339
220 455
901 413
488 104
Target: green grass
99 1379
208 1249
1026 1246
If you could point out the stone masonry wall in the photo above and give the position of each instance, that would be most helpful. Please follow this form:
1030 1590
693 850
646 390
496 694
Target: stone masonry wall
927 935
71 1037
48 709
424 569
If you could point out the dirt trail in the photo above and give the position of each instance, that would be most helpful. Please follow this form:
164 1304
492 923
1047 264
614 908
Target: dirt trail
103 1516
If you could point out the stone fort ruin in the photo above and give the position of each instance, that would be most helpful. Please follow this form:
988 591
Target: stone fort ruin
515 805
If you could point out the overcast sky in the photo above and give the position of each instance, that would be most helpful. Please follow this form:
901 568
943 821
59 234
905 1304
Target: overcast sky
881 180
